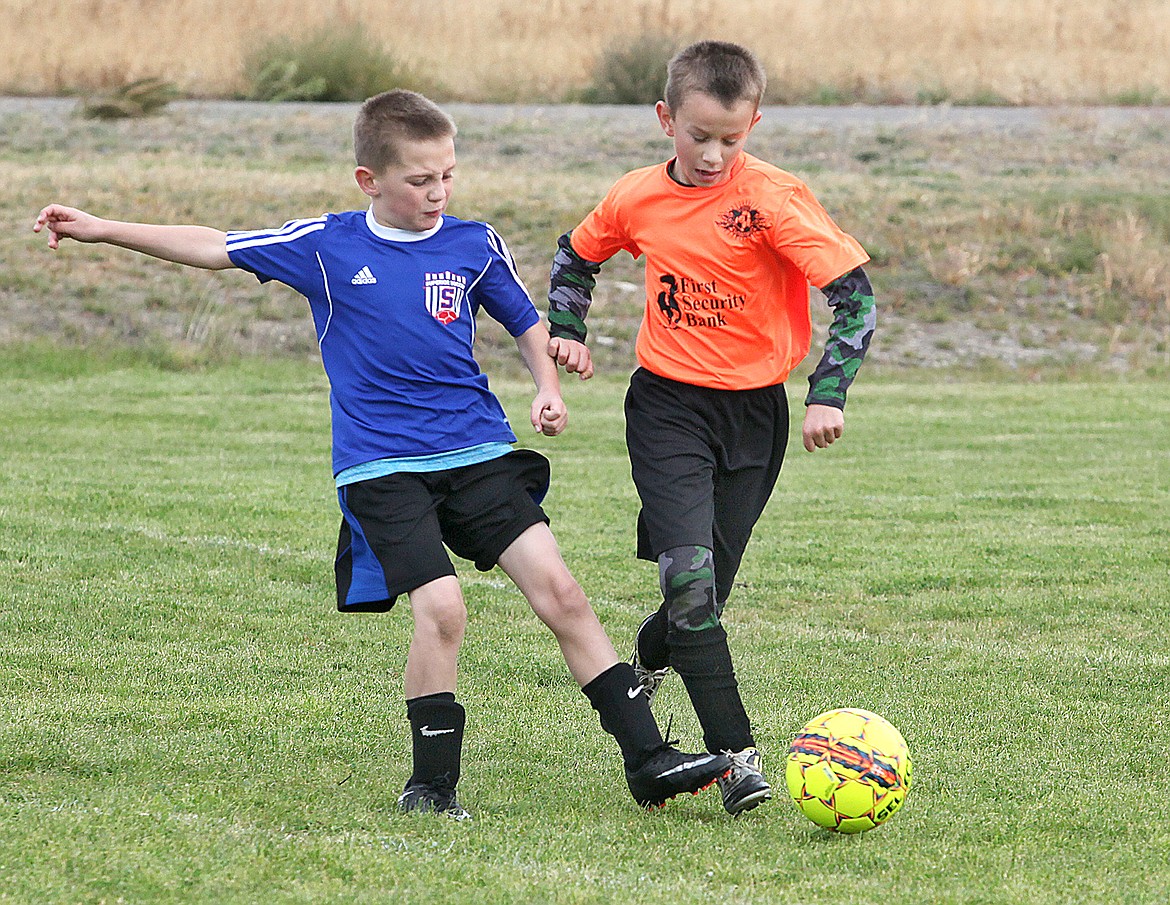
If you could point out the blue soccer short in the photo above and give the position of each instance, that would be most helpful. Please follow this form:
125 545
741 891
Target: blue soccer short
394 528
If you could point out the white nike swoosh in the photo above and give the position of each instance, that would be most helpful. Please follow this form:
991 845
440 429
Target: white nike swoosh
634 692
428 731
687 766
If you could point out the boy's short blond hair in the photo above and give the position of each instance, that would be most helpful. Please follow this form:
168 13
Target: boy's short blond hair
727 72
391 117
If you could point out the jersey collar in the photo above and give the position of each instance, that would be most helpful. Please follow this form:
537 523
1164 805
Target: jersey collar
392 234
692 190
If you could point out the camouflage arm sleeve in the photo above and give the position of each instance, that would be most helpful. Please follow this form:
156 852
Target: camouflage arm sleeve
570 291
854 319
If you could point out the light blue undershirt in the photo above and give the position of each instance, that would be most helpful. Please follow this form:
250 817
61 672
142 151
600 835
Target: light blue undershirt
456 458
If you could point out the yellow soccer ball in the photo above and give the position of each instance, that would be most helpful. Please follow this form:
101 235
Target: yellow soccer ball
848 770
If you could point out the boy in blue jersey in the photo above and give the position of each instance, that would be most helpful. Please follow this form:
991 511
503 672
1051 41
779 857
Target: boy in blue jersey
422 451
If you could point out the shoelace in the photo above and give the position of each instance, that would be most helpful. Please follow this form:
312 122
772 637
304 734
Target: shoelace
666 740
648 676
740 764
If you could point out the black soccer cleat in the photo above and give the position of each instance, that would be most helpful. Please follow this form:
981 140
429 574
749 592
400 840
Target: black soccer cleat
670 772
433 798
744 787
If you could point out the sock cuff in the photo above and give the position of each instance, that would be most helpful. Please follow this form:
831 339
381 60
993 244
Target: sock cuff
435 706
437 697
619 675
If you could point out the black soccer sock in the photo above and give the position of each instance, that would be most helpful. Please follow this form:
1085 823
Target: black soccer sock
625 713
703 661
436 731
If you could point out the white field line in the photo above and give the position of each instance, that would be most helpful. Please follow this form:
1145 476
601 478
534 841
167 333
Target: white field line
205 540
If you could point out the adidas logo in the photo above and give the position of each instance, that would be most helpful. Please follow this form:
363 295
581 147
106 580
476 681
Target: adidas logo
363 277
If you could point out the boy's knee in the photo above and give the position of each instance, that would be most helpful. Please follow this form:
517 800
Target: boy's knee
441 615
565 601
570 596
452 621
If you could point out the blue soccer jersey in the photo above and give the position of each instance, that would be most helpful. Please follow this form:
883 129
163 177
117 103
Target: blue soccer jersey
395 317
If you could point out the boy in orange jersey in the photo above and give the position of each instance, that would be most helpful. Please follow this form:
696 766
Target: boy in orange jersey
732 245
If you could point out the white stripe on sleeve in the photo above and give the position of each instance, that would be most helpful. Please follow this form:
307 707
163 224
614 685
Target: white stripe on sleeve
291 231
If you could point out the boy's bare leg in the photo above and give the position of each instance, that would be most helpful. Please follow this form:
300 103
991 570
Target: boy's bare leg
533 561
440 619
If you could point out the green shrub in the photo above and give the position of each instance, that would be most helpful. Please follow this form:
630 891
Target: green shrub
632 73
331 64
827 95
984 97
1138 97
140 98
932 96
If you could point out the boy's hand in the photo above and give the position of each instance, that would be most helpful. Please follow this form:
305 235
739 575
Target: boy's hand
549 414
822 425
571 355
66 223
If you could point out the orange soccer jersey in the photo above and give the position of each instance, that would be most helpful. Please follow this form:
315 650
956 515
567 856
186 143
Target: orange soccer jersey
728 269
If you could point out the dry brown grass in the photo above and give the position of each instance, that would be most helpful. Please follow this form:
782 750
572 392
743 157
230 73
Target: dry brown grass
1027 238
1020 51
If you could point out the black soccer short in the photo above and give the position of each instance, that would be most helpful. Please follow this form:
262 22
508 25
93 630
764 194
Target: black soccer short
393 528
704 462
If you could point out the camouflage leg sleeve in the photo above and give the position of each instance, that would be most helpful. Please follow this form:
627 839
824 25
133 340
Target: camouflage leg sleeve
687 577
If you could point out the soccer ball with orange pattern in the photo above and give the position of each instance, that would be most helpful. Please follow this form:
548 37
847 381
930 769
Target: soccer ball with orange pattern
848 770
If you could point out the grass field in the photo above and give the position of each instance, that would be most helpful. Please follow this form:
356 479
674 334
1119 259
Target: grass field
188 720
878 51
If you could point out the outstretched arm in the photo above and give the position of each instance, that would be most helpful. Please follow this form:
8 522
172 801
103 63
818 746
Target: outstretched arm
195 246
854 319
549 414
570 294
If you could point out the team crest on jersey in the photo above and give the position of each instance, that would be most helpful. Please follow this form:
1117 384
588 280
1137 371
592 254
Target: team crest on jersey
744 220
445 295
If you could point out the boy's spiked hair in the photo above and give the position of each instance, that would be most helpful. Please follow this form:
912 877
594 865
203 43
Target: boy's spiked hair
727 72
388 118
